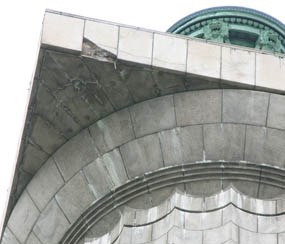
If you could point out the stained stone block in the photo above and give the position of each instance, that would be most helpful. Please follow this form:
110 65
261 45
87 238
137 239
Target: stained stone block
203 221
264 145
98 178
135 45
112 131
276 112
224 141
142 155
51 225
62 31
271 224
182 145
153 115
247 237
242 219
169 52
273 78
198 107
238 66
9 238
246 107
204 59
75 197
103 35
23 217
221 235
49 176
32 239
76 153
181 236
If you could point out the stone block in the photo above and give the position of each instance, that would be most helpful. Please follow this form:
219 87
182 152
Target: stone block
23 217
273 77
264 145
239 217
62 31
75 197
52 224
98 178
204 59
162 226
142 155
271 224
198 107
75 154
32 239
224 141
135 45
203 221
221 235
281 238
9 238
169 52
204 188
247 237
245 107
45 184
181 236
280 205
276 112
153 115
238 66
182 145
112 131
141 234
103 35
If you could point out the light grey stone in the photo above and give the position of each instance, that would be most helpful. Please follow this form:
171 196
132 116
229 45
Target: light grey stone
75 154
271 224
153 115
9 238
204 188
182 145
98 178
247 237
52 224
281 238
203 221
280 205
32 239
224 141
23 217
264 145
198 107
45 184
181 236
239 217
276 112
142 155
75 197
246 107
162 226
242 186
141 234
112 131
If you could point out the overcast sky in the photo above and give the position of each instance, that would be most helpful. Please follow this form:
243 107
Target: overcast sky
20 26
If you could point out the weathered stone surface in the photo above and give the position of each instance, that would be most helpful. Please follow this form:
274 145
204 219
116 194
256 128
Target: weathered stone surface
246 107
112 131
135 45
62 31
103 35
198 221
9 238
142 155
276 112
204 188
45 184
179 236
224 141
198 107
169 52
264 145
23 217
247 237
182 145
238 66
153 115
76 153
271 224
75 197
51 225
32 239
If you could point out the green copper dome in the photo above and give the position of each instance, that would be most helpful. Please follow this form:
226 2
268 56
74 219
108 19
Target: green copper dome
235 25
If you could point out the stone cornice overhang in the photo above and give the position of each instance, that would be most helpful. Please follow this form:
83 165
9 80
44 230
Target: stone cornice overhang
87 69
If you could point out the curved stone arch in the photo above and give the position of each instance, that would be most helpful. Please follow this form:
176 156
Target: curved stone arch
163 132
